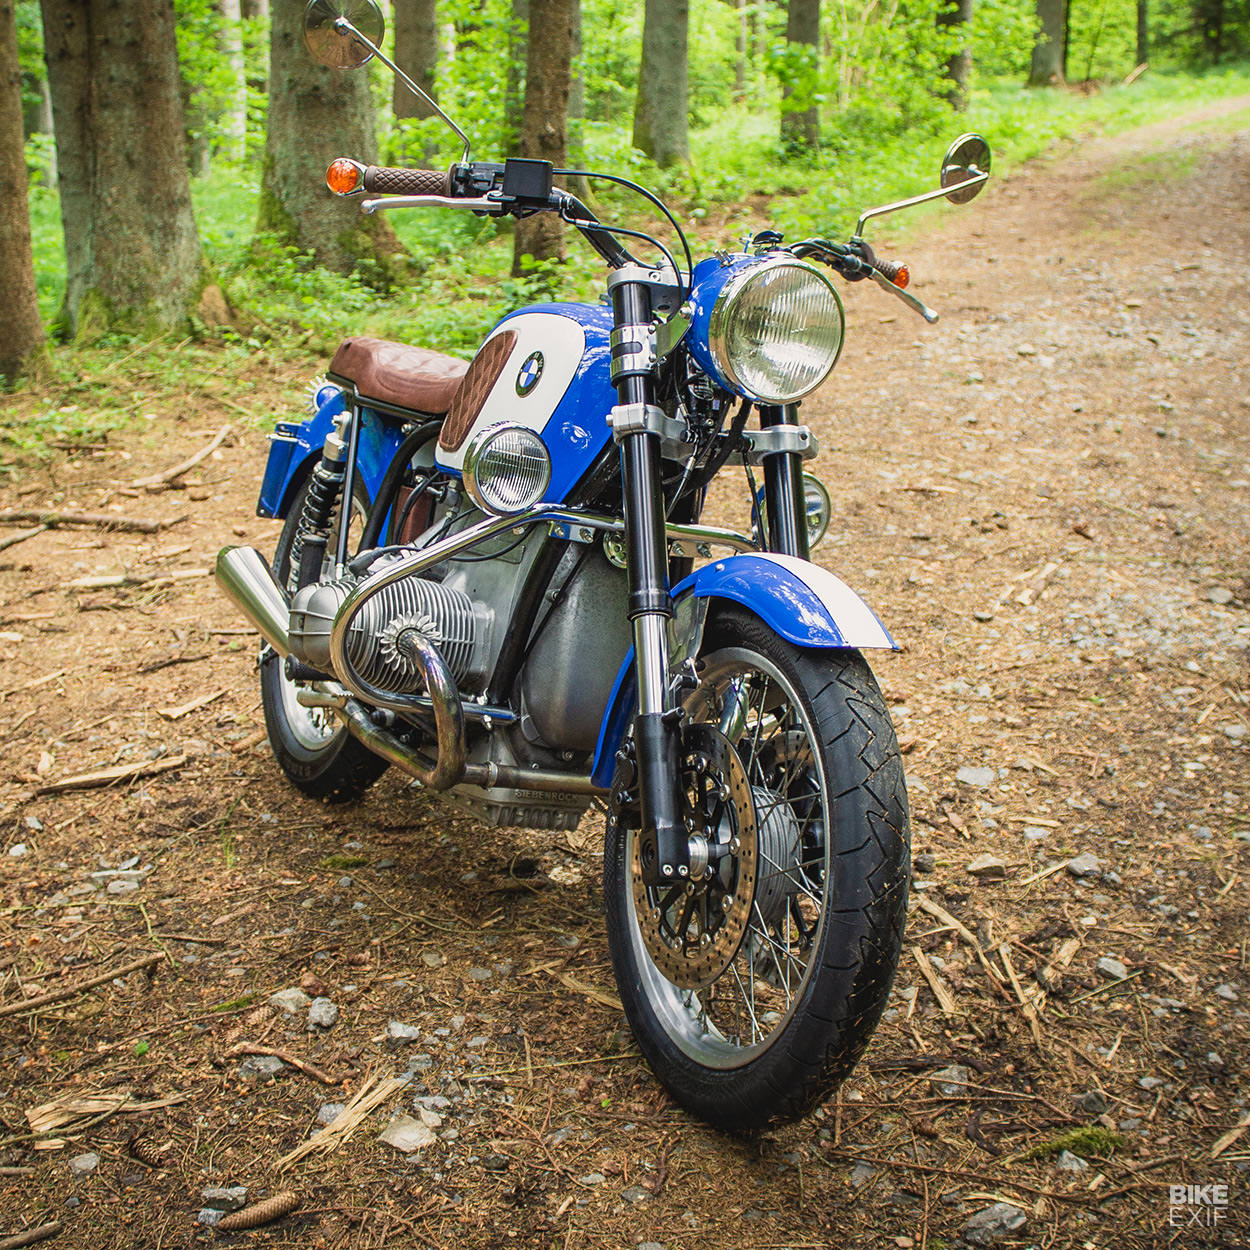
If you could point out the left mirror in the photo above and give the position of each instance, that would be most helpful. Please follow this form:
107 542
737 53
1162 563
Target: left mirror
335 46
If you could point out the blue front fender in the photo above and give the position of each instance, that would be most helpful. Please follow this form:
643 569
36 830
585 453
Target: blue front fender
803 603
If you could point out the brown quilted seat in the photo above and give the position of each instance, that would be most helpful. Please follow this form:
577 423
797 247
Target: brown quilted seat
399 375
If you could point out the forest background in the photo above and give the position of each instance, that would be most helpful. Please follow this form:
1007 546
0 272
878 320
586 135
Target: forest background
797 115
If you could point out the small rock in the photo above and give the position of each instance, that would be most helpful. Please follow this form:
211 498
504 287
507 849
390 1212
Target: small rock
122 886
33 823
496 1163
328 1112
591 1178
1084 865
1092 1102
291 1001
1112 969
73 1201
322 1014
978 777
952 1082
924 863
226 1198
1227 992
862 1173
1035 833
398 1034
993 1224
480 974
1026 349
261 1068
1150 1082
987 868
431 1119
1069 1162
17 850
210 1216
84 1164
1220 595
636 1193
433 959
407 1135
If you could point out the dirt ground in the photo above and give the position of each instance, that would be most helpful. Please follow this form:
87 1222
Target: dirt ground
1045 498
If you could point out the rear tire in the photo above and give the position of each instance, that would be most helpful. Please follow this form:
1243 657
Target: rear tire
317 754
753 1009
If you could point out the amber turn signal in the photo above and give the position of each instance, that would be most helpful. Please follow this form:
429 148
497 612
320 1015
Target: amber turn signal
903 277
344 176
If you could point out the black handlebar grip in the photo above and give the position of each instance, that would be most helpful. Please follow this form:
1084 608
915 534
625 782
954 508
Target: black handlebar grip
388 181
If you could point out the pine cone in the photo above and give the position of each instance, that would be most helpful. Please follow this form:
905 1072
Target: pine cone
260 1212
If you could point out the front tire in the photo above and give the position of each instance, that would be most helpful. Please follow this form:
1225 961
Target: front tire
317 754
753 991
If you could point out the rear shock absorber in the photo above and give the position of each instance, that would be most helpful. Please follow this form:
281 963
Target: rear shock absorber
308 551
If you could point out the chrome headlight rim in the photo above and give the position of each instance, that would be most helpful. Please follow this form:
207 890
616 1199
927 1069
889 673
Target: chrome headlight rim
724 306
479 446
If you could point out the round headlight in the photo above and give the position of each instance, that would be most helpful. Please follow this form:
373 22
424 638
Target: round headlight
776 330
506 468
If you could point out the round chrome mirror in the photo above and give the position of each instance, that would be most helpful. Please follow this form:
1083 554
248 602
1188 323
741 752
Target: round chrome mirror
818 508
336 47
967 157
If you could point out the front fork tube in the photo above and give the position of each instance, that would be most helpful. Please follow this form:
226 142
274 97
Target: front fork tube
663 845
784 504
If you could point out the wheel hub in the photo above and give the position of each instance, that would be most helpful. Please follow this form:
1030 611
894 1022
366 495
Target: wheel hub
692 928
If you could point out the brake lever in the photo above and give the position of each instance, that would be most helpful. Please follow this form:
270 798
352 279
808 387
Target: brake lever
906 296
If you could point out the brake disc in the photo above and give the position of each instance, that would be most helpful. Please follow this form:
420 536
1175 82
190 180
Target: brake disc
693 927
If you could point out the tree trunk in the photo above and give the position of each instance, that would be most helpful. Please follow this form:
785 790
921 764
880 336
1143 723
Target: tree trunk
514 77
956 18
231 33
1209 15
256 8
548 69
131 248
1048 67
416 53
21 331
800 118
741 46
661 107
1143 32
315 115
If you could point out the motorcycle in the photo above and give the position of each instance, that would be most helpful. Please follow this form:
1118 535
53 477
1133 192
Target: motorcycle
493 575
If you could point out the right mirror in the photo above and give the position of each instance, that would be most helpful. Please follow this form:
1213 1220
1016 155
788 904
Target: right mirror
967 157
336 48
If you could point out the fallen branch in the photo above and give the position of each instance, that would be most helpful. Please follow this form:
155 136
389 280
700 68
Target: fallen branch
176 713
98 520
107 581
249 1048
1026 1004
81 987
946 1000
938 912
21 536
17 1171
169 475
107 776
30 1236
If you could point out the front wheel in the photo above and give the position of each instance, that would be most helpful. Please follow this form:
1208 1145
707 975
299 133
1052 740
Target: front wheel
753 986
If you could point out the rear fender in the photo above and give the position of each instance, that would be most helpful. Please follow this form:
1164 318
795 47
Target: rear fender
803 603
294 448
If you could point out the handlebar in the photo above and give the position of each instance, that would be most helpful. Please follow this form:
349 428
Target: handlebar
856 260
386 180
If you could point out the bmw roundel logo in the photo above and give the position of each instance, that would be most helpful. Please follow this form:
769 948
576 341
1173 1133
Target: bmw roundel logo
530 372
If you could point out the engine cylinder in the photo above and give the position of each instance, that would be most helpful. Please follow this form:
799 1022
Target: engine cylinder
377 643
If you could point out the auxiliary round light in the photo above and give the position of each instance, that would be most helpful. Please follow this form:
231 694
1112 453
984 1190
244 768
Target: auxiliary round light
506 468
775 331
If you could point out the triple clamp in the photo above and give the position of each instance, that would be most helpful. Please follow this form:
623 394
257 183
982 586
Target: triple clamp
626 419
779 440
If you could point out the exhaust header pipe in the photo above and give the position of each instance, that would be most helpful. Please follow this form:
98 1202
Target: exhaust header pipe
244 574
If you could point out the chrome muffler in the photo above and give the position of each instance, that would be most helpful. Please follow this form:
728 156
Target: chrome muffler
244 574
